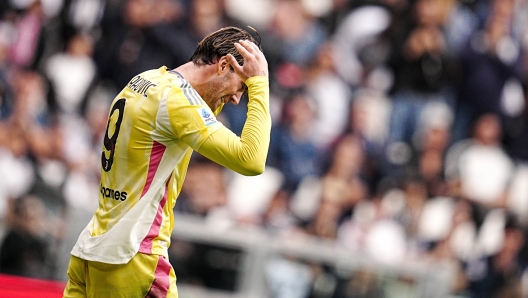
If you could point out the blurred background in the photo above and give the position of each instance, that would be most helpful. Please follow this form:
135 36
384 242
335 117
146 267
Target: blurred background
398 164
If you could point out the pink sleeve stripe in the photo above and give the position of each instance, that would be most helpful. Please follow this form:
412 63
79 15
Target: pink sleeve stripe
146 244
160 285
156 154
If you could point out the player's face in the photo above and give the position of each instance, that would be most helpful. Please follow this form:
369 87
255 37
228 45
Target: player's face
227 87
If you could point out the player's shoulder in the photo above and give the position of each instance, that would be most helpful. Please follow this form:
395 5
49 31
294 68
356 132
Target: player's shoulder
177 79
161 78
187 93
170 78
169 82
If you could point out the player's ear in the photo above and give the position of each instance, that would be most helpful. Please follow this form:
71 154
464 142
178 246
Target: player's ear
223 65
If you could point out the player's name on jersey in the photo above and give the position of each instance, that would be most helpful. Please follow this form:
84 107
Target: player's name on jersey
140 85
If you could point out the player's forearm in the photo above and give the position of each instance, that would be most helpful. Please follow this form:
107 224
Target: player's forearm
256 132
247 154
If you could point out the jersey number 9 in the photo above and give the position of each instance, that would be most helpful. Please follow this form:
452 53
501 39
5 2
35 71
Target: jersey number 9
110 142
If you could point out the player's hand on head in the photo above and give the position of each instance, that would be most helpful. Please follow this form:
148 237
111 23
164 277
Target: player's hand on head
255 63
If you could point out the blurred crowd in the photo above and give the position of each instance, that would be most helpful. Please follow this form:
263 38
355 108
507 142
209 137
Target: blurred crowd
400 129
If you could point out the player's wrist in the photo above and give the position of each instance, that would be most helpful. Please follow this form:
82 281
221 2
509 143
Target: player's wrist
256 79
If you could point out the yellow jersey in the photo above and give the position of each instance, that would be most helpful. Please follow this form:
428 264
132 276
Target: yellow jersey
154 124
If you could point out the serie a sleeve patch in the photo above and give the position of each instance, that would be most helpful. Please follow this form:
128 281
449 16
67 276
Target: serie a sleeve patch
207 117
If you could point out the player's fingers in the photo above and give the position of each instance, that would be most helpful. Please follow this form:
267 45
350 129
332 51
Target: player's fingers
255 50
242 49
254 46
249 46
234 63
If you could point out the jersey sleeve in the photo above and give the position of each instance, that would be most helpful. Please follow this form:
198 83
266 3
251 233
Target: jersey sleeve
245 154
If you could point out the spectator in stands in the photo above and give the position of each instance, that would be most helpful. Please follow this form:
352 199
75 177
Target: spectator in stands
81 16
516 133
422 65
36 145
341 188
191 22
490 71
204 188
369 120
278 217
16 167
479 170
26 46
499 275
72 74
373 229
430 147
292 39
331 95
359 45
294 35
292 150
25 248
415 194
483 183
129 43
451 233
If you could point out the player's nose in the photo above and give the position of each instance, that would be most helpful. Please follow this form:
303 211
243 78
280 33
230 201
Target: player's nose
235 98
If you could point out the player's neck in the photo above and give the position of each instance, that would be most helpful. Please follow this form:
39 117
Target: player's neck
197 76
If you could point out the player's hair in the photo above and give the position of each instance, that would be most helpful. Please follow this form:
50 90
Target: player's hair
221 43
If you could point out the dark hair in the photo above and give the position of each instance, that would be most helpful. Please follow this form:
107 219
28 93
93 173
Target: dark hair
221 43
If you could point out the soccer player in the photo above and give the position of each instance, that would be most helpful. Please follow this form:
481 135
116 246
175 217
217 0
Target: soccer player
154 124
